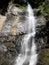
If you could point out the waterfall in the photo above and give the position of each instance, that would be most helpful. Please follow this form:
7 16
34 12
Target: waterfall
28 55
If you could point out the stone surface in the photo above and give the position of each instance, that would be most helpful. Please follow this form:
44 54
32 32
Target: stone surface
10 44
9 49
2 20
44 57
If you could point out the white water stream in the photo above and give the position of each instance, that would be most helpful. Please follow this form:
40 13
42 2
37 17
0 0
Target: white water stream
28 55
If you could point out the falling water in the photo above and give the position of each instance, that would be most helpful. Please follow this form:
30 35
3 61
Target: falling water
28 55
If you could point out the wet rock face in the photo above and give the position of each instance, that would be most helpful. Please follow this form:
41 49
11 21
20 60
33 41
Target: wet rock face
9 49
4 4
10 45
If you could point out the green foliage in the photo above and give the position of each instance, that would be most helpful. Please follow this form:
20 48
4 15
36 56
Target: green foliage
44 8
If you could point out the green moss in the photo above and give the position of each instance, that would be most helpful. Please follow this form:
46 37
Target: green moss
44 9
44 57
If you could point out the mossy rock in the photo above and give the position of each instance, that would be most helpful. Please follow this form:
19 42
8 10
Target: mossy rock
44 57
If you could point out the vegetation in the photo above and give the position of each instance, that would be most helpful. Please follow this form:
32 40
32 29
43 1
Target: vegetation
44 8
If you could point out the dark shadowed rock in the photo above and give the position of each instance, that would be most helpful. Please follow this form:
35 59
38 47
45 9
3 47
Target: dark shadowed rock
9 49
3 6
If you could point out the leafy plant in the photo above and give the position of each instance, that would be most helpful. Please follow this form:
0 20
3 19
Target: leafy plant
44 8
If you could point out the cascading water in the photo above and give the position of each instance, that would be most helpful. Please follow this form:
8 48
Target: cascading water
28 55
